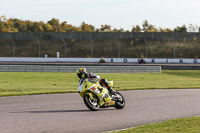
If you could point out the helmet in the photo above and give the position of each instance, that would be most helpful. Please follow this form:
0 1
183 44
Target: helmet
81 73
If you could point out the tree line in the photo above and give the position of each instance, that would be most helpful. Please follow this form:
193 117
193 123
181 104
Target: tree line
54 25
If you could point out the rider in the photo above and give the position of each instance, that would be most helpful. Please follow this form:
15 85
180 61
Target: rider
82 74
102 60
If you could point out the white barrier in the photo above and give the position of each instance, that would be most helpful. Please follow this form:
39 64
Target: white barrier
95 60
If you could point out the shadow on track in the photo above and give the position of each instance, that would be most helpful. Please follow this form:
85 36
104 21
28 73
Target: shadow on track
57 111
61 111
52 111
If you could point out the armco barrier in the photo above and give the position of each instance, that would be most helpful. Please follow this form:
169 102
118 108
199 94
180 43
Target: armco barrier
95 69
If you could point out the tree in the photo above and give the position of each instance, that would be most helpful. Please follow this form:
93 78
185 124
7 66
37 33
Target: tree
38 27
105 27
165 30
63 26
55 24
133 29
86 27
10 26
180 29
20 25
48 28
136 29
145 25
148 27
118 30
30 26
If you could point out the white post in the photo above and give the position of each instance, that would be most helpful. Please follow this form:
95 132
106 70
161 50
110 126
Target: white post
58 54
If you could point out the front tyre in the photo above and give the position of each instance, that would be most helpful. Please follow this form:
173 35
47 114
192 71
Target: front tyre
92 104
120 104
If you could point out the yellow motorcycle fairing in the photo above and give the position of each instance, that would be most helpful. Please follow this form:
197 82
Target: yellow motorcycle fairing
93 89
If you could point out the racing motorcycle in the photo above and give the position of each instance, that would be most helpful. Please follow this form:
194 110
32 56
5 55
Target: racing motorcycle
95 96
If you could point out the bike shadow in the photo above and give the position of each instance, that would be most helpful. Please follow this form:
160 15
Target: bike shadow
62 111
57 111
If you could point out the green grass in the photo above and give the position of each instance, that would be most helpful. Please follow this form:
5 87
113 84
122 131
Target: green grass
181 125
27 83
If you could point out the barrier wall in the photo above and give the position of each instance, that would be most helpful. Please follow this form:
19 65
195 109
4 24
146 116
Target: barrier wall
95 69
95 60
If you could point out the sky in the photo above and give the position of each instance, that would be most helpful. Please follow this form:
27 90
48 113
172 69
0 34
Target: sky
117 13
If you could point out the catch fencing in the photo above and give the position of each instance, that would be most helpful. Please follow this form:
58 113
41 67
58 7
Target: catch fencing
98 44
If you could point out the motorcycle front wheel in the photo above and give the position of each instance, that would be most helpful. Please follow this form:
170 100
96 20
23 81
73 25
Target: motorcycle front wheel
121 103
92 104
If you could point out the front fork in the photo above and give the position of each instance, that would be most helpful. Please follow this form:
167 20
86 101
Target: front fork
90 95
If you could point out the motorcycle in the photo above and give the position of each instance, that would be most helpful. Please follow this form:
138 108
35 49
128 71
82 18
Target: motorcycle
95 96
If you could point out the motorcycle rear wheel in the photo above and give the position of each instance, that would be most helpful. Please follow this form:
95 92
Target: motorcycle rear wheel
120 104
91 104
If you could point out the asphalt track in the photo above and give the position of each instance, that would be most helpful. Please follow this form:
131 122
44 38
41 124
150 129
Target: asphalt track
66 113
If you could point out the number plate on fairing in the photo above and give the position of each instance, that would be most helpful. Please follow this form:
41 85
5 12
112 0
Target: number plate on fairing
111 103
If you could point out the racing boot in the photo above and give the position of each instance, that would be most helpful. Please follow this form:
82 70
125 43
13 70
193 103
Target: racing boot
104 82
113 92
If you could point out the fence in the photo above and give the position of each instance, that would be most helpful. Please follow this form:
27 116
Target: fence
101 44
97 49
98 35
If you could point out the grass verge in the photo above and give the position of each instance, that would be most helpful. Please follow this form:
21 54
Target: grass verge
27 83
181 125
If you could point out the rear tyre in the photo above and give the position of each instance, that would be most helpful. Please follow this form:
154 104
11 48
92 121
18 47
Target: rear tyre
92 104
121 103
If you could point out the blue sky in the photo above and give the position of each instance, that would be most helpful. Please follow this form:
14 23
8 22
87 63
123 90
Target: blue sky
117 13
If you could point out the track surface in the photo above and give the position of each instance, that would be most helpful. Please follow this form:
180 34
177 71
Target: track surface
66 113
